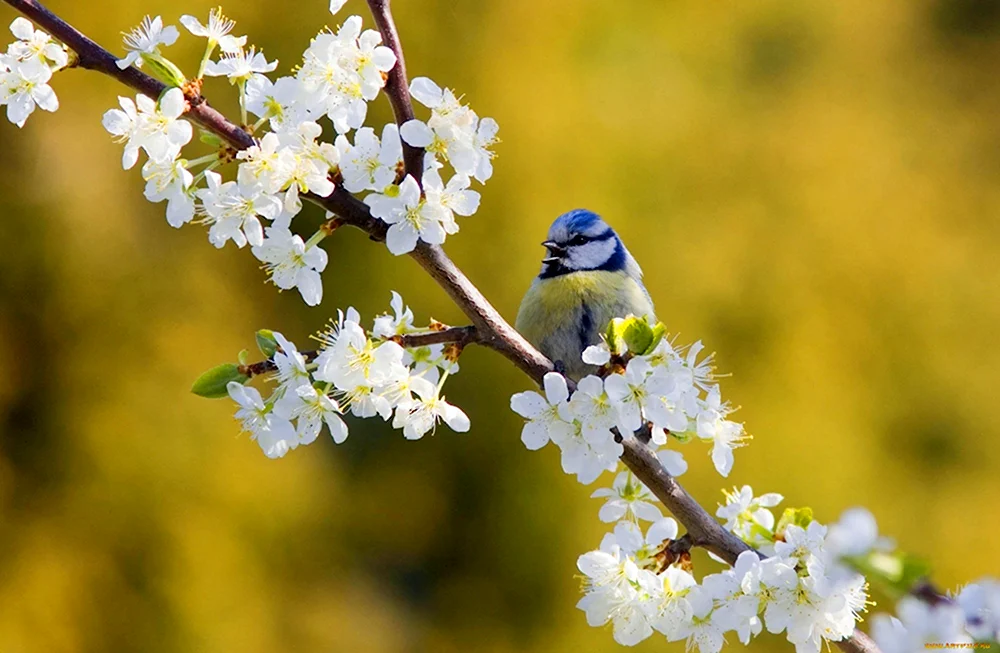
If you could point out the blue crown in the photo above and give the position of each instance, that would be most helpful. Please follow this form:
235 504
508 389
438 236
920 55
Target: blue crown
577 221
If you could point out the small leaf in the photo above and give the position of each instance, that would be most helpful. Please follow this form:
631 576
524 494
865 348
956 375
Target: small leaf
897 574
212 384
800 517
243 357
266 342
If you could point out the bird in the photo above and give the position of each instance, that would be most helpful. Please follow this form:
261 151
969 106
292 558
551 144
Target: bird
587 279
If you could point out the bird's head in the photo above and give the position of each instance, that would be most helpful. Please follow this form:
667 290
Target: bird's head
581 241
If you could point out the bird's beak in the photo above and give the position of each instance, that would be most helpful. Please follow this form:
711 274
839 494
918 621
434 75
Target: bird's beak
554 247
556 251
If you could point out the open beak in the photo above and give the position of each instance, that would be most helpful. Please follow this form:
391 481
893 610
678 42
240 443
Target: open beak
556 251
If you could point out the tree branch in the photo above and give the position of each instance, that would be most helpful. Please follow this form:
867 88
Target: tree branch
397 88
491 329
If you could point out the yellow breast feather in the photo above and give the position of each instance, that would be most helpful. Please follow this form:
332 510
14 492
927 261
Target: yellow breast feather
563 314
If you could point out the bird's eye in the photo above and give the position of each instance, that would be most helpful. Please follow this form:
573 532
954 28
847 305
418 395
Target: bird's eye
578 239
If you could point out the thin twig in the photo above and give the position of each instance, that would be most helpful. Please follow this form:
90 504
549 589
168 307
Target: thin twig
396 85
490 328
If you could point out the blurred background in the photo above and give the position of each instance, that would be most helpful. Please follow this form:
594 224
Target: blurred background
812 189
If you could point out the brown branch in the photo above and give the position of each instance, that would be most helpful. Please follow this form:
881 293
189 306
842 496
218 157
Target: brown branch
397 88
489 326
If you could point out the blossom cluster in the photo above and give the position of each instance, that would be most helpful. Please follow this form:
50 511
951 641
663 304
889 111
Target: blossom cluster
633 583
26 69
668 388
341 72
366 373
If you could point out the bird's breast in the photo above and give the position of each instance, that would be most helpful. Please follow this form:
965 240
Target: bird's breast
564 315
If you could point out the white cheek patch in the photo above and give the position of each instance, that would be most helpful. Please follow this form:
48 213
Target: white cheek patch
591 255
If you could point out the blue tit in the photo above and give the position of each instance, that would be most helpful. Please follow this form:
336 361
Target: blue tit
587 279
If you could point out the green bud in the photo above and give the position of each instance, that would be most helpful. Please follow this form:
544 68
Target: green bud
243 357
683 437
613 336
208 138
266 342
212 384
659 330
800 517
164 69
636 333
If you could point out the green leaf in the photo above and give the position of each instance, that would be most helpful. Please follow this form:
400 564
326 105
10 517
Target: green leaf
243 357
659 331
266 342
895 573
800 517
212 384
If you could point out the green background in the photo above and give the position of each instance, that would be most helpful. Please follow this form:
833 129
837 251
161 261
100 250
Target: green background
812 189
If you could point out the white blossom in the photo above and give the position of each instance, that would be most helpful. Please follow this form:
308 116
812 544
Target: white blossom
418 416
598 354
240 65
632 393
216 31
672 461
353 360
455 198
855 534
311 409
725 434
399 323
627 498
24 87
410 216
980 604
291 364
281 101
268 163
35 48
146 39
748 517
291 264
702 629
617 591
343 71
587 459
234 209
161 130
369 164
170 180
547 418
123 124
275 435
736 596
919 624
592 407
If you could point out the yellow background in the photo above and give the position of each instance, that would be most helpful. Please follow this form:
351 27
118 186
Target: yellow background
811 188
